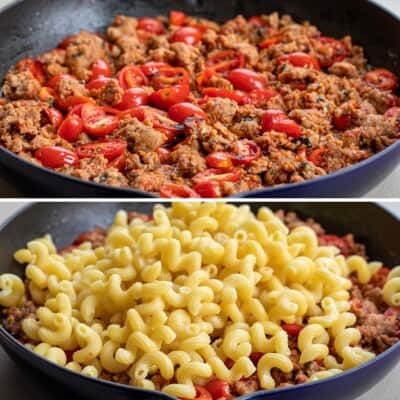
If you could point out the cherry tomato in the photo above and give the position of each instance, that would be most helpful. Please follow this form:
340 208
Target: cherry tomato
316 156
66 41
56 157
132 98
118 163
381 79
336 51
209 189
173 190
101 69
187 34
151 25
55 117
256 21
219 389
71 128
167 97
277 120
202 393
177 18
260 97
234 95
292 329
226 61
245 152
35 67
300 59
131 76
96 122
55 80
246 80
218 175
98 83
47 94
255 357
152 67
219 160
72 101
163 154
169 76
342 122
270 41
181 111
109 148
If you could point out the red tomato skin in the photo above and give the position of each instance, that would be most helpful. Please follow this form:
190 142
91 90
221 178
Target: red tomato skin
53 82
177 18
98 83
259 97
66 42
131 76
219 160
35 67
101 69
300 59
167 97
208 190
270 41
226 60
278 121
181 111
256 21
109 148
234 95
173 190
338 48
152 67
187 34
270 117
96 122
247 80
118 163
245 152
316 156
133 97
382 79
55 117
170 76
163 154
56 157
218 175
151 25
71 128
292 329
219 389
342 122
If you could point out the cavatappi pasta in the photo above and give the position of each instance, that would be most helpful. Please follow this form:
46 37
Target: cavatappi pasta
200 291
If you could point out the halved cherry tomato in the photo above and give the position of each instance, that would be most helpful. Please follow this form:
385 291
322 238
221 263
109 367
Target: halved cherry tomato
239 97
109 148
72 101
151 25
245 152
205 76
181 111
131 76
219 389
255 357
55 117
316 156
259 97
177 18
173 190
208 190
381 79
256 21
71 128
246 80
118 163
101 69
277 120
35 67
342 122
270 41
98 83
219 160
66 41
163 154
300 59
292 329
96 122
226 61
187 34
336 51
202 394
132 98
76 110
218 175
56 157
54 81
152 67
167 97
169 76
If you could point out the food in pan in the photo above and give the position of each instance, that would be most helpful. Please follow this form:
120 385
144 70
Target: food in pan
205 301
185 107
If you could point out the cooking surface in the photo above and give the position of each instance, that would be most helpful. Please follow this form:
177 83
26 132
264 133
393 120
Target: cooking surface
18 383
12 185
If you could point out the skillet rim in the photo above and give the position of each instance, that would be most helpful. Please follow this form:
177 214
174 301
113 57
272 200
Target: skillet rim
266 192
5 336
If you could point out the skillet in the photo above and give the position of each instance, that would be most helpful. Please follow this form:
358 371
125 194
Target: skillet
33 26
66 220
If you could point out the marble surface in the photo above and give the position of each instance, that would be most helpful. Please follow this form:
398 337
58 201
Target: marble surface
389 188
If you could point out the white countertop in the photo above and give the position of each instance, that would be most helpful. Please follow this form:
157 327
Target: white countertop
389 188
387 389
